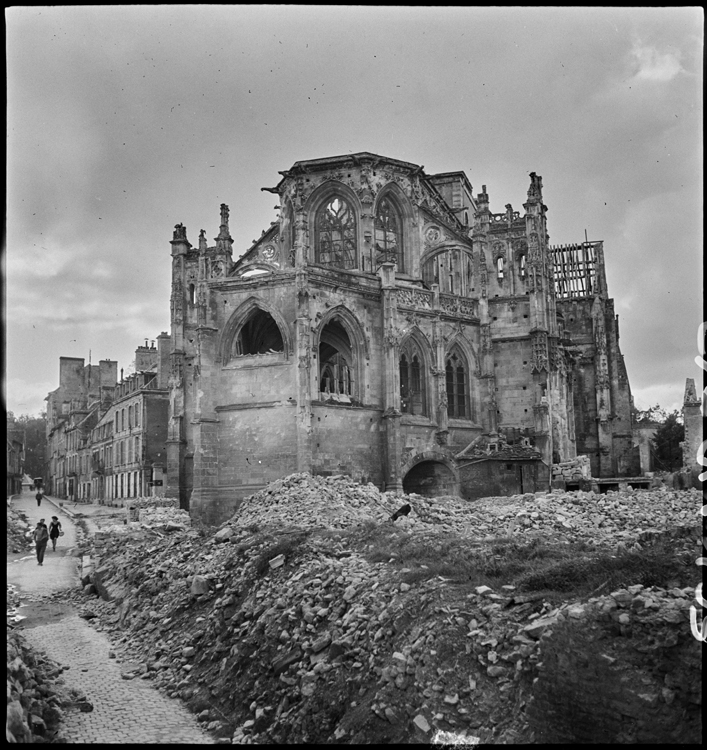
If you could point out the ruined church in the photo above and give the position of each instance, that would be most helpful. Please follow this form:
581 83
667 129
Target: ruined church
391 327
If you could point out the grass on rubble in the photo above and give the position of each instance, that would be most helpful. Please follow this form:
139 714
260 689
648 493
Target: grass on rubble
535 565
288 546
656 565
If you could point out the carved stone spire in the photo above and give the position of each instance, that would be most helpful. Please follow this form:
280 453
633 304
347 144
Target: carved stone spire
224 233
535 191
224 241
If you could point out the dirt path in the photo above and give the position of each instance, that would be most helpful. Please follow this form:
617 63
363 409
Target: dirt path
124 711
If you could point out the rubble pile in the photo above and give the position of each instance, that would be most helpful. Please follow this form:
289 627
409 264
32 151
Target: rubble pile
337 502
35 694
18 532
296 622
154 501
617 519
590 652
572 470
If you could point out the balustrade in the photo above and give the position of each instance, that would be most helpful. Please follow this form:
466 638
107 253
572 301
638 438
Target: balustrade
451 304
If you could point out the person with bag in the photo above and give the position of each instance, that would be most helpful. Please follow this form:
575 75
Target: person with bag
41 537
55 531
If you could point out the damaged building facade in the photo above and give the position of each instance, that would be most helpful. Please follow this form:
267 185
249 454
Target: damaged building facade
391 327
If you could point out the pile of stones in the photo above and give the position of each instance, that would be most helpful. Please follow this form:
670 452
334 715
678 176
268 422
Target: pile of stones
36 694
18 532
282 627
572 470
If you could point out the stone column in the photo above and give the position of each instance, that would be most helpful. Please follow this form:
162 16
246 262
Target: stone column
303 358
391 379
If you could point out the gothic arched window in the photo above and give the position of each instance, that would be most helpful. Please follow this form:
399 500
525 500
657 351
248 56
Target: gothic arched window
457 382
522 266
336 364
335 234
499 267
259 334
389 234
412 381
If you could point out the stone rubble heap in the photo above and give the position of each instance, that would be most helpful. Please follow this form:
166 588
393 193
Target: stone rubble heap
18 532
281 626
573 470
36 694
284 626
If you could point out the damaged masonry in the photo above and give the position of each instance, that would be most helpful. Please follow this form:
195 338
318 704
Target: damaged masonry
390 327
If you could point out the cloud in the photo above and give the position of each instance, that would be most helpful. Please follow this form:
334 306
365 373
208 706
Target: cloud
667 395
654 65
23 397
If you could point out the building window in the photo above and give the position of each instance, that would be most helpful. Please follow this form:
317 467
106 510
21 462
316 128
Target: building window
445 269
389 234
499 267
260 334
456 386
412 381
122 419
130 417
522 266
336 363
137 415
335 234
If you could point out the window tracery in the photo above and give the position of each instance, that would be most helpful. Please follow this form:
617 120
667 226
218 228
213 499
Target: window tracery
457 386
388 233
335 234
336 364
413 385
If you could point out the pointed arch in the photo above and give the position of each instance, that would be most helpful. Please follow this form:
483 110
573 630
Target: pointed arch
414 362
341 349
460 367
448 266
240 318
393 218
334 218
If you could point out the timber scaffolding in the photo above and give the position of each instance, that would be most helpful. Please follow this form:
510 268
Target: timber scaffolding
578 269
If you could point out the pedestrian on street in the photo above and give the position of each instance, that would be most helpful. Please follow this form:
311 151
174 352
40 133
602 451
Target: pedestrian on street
54 531
41 537
38 497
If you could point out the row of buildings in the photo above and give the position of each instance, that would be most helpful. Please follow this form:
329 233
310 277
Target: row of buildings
106 437
15 457
387 325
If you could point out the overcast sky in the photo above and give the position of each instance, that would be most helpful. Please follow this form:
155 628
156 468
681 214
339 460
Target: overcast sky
126 120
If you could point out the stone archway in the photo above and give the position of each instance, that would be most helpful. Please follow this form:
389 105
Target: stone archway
430 478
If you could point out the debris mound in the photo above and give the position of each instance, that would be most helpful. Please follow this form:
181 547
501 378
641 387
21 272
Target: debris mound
312 616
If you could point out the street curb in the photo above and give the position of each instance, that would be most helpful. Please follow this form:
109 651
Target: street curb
59 507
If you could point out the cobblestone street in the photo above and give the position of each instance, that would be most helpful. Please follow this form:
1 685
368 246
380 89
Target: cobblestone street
124 711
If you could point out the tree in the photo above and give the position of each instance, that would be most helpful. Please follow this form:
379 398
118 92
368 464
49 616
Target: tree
665 444
35 441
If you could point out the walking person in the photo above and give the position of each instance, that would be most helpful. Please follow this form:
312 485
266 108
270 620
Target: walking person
38 498
55 531
41 537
